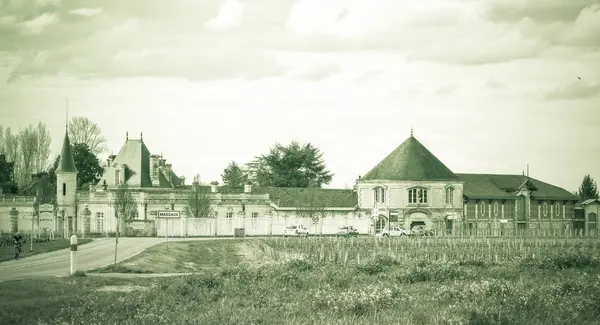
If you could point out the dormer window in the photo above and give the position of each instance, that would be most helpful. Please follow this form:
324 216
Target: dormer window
118 180
417 195
379 193
450 195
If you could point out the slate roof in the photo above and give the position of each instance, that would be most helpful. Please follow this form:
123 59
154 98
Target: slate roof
298 197
411 161
501 186
136 156
66 163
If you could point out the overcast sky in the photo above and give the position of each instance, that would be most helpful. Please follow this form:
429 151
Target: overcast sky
489 86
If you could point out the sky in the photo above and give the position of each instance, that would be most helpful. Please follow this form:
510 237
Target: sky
488 86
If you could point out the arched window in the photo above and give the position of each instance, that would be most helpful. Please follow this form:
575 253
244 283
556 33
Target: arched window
545 208
450 195
496 208
417 195
482 208
379 193
557 209
64 190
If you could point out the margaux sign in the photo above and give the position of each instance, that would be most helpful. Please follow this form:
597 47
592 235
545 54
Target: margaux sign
168 214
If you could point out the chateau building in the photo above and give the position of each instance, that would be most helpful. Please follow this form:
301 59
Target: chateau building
409 187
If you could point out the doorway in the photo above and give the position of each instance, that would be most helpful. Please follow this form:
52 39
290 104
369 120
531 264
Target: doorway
416 223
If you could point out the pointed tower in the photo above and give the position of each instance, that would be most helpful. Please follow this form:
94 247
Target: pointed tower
66 188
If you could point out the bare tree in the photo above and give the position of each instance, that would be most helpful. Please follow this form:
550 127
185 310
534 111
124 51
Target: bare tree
198 203
11 148
2 140
83 130
125 207
28 145
310 205
43 148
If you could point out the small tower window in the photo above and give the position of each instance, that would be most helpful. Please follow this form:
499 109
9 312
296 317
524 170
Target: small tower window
64 189
449 195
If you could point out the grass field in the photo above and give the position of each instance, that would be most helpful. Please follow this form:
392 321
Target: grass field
184 257
7 252
261 282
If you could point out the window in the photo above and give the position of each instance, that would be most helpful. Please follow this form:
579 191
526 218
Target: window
482 208
545 208
172 206
449 195
496 209
99 221
557 209
135 215
417 195
254 221
155 170
229 216
117 177
64 189
379 193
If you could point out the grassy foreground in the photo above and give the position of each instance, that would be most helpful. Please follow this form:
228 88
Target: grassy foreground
7 252
184 257
560 288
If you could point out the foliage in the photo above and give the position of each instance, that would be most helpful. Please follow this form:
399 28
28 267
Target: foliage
42 187
87 164
7 181
83 130
309 292
234 176
125 205
294 165
588 188
198 203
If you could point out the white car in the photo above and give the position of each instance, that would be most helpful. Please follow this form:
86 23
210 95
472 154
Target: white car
393 232
296 230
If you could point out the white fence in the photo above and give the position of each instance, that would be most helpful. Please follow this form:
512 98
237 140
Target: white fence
183 227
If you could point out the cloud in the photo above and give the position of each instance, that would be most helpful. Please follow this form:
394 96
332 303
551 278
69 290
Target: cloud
230 15
318 72
87 12
547 11
574 90
39 23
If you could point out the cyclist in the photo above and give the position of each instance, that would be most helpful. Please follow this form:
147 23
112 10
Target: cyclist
17 238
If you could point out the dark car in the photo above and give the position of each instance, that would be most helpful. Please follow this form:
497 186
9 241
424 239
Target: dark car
347 231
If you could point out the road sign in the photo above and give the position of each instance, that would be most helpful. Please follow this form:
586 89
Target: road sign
169 214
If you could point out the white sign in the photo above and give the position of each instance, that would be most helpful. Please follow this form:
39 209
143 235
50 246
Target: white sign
503 221
168 214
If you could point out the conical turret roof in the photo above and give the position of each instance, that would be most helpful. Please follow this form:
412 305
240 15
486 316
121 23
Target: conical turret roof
411 161
66 163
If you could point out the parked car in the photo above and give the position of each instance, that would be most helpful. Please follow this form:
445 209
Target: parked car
421 230
393 232
296 230
347 231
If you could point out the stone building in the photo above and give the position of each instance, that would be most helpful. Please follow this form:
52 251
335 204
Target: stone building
407 188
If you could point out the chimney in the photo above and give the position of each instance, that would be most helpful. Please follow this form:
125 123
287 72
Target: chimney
213 186
181 180
196 180
247 188
110 159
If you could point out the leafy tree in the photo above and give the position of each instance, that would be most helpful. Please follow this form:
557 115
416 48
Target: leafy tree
7 180
83 130
87 163
42 187
294 165
198 203
234 176
588 189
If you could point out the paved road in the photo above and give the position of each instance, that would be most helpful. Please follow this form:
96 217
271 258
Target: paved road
98 253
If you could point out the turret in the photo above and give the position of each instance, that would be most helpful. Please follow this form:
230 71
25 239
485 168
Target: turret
66 188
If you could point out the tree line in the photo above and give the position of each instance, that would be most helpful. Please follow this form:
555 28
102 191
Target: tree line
26 167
